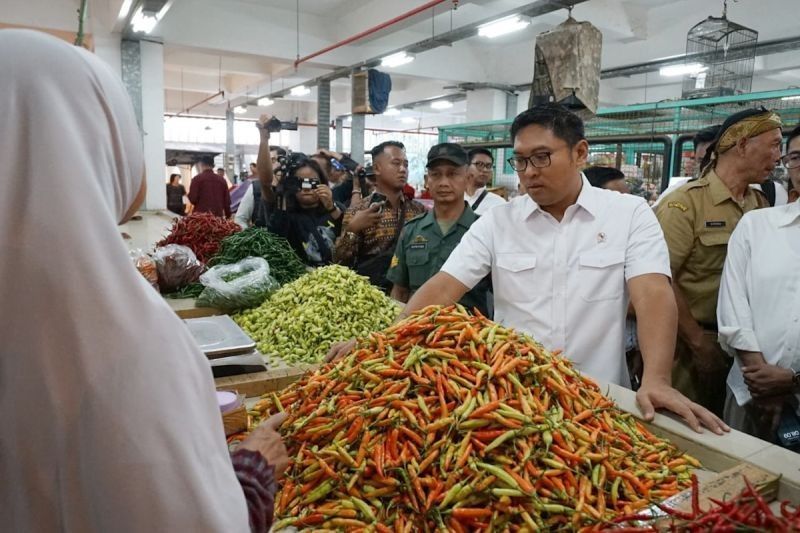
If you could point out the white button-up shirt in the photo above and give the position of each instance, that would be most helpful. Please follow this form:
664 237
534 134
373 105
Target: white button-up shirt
491 200
759 296
565 283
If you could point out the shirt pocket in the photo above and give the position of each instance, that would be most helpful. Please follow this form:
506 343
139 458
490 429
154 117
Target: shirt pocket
601 275
515 278
418 263
712 250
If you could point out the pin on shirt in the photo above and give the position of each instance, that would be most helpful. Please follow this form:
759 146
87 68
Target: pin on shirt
601 237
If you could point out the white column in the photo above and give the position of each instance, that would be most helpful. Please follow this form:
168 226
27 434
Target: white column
152 65
486 104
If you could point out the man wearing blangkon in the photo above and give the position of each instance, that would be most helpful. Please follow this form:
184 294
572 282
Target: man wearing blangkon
564 261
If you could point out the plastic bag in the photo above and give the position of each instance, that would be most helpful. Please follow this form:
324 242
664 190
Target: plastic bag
238 286
145 264
177 267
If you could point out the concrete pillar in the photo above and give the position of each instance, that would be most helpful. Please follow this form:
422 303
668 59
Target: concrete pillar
324 115
339 135
357 138
142 65
486 104
511 105
230 146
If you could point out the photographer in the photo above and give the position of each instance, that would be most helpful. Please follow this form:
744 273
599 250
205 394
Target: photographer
353 184
304 211
251 210
372 226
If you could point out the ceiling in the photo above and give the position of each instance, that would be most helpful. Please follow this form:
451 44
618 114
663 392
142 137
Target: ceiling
247 48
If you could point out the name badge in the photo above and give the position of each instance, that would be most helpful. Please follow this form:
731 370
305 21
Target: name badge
715 223
418 245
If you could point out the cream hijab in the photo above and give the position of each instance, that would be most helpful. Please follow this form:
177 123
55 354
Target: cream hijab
109 420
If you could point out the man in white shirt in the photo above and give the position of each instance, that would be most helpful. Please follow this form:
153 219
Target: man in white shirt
564 261
479 175
759 312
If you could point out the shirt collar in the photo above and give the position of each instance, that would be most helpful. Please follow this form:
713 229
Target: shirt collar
719 191
466 219
790 214
588 199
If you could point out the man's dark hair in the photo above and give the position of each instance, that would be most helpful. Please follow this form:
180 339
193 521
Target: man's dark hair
480 151
206 160
599 176
792 136
564 124
378 150
220 169
278 149
706 135
253 165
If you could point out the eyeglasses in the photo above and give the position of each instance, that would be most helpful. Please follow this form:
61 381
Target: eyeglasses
791 160
482 166
540 160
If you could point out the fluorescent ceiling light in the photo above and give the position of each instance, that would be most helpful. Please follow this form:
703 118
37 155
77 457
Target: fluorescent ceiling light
395 60
408 120
680 70
300 90
143 22
502 26
790 98
265 102
442 104
391 112
239 109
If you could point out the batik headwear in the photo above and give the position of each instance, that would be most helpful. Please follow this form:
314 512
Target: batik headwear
742 125
110 421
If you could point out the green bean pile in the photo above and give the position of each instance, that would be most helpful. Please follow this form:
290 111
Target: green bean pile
284 265
300 321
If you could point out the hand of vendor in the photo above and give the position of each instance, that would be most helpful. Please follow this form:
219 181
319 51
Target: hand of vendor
654 395
366 218
340 349
266 440
767 380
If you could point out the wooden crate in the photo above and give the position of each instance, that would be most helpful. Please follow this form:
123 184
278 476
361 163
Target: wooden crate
718 453
259 383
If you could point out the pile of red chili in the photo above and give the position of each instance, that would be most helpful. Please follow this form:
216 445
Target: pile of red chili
450 421
202 232
748 511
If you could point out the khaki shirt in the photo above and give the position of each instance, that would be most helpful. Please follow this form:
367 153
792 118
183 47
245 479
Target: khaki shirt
698 219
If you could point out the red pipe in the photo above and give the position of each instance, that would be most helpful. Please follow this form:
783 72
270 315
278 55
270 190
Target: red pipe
372 30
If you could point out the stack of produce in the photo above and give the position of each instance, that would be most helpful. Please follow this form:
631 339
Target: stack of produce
300 321
284 265
447 420
202 232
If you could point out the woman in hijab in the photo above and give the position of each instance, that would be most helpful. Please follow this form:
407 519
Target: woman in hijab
109 416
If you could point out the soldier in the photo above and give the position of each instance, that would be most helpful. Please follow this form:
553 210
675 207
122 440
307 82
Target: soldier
428 240
698 219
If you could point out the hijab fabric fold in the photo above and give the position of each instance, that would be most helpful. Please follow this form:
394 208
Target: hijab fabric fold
110 422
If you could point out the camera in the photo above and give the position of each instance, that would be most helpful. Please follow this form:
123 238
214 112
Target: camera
309 184
275 125
367 172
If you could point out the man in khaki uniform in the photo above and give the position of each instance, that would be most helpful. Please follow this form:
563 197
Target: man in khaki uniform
698 219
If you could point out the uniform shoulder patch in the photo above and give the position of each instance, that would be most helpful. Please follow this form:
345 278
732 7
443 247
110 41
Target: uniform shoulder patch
677 205
414 219
395 261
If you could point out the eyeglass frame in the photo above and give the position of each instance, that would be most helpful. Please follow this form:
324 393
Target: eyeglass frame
529 159
794 154
480 165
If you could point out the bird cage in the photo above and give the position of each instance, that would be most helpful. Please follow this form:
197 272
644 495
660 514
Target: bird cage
567 67
724 53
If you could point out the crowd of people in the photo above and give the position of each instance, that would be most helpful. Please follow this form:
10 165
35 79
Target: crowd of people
704 287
